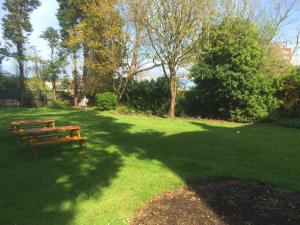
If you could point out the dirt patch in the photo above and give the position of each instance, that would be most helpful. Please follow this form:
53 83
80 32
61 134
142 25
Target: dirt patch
222 203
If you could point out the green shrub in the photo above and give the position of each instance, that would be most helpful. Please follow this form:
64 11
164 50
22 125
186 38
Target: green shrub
60 104
124 109
148 96
289 122
29 99
106 101
228 84
289 94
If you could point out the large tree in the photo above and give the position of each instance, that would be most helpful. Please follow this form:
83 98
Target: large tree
39 70
53 38
3 53
16 27
269 16
174 27
137 53
70 14
100 32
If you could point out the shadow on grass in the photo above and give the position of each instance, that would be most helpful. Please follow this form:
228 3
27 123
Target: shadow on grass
46 191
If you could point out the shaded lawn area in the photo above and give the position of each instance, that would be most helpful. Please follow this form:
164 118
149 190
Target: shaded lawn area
130 159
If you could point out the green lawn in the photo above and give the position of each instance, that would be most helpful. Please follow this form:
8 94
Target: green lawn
129 159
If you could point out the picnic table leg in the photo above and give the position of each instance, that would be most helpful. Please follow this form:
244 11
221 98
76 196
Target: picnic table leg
28 143
81 146
12 129
17 138
35 152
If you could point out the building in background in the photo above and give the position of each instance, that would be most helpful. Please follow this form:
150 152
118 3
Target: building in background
283 51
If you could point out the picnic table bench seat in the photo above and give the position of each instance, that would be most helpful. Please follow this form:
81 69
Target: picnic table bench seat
36 142
52 135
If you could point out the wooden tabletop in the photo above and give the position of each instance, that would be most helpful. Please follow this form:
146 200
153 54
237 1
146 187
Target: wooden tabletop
49 129
17 122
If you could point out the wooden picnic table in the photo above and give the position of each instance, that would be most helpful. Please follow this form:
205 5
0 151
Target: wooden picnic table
22 122
18 126
49 135
47 130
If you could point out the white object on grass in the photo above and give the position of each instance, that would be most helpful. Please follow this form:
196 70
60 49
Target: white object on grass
238 132
83 103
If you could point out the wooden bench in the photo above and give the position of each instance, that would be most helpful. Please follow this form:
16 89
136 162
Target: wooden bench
10 103
18 127
52 135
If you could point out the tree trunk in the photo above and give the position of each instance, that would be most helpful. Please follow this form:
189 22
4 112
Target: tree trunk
173 90
54 86
75 79
85 69
21 70
133 64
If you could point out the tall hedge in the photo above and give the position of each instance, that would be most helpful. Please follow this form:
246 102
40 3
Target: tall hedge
148 95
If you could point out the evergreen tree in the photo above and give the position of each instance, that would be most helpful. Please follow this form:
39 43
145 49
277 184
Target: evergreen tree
16 27
53 38
69 14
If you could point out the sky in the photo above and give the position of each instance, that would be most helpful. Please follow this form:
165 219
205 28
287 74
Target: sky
45 16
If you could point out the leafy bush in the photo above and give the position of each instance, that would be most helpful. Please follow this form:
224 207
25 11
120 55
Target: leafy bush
106 101
64 95
228 84
289 122
289 94
29 99
60 104
124 109
148 96
235 96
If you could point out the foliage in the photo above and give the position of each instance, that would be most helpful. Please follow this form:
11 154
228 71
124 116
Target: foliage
289 93
3 53
174 28
101 32
60 104
16 26
106 101
289 122
69 14
57 56
125 109
275 66
65 83
226 76
234 44
52 37
16 22
148 95
64 95
8 81
29 99
137 56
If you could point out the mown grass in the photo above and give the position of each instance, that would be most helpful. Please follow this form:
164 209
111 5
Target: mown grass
129 159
